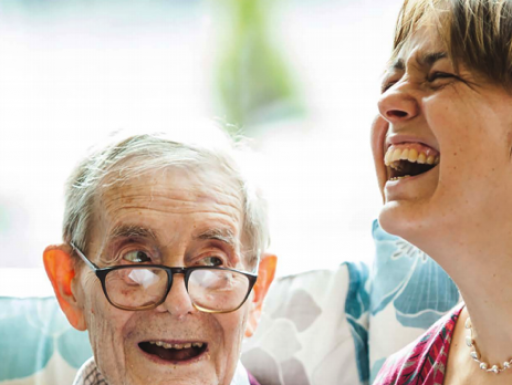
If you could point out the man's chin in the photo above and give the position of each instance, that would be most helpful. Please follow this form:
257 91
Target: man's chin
147 372
171 379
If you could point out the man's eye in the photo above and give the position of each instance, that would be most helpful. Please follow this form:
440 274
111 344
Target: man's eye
137 256
211 261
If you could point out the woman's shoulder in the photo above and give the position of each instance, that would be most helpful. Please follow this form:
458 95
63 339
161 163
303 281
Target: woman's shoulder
425 357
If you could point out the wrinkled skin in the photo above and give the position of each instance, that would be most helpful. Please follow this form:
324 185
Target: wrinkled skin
176 207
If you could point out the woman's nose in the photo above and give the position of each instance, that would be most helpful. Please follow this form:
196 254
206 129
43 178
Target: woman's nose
397 105
178 301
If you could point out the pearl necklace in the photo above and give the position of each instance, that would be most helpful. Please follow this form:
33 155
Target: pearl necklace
475 354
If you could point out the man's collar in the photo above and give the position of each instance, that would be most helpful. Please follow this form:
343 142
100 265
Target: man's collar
89 374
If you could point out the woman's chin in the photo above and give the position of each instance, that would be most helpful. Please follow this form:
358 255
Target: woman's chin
405 219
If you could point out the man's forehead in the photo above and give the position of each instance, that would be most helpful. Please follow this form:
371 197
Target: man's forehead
171 182
131 205
221 233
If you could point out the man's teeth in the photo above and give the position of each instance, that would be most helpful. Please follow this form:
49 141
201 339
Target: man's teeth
409 154
177 346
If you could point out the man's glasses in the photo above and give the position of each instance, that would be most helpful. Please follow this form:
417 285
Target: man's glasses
144 287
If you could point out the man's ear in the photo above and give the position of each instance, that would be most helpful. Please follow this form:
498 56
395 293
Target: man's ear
266 274
60 268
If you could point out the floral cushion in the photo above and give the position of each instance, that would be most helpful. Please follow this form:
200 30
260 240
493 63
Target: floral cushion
305 336
37 344
314 330
409 292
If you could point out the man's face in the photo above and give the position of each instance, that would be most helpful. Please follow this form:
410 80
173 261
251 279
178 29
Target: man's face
173 218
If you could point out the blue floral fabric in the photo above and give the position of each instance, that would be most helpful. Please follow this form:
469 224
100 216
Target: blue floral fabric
357 305
414 284
409 292
32 330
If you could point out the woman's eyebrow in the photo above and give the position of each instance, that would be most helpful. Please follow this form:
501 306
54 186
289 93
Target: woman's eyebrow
424 60
398 65
428 59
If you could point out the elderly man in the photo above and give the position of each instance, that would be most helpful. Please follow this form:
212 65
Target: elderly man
162 260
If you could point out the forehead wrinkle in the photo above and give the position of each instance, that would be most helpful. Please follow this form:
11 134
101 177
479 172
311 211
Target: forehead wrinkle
228 211
182 204
215 193
168 211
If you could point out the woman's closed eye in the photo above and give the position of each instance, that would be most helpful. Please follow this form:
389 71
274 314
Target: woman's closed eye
387 85
437 75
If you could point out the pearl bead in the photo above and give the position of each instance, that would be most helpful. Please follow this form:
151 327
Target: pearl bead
475 355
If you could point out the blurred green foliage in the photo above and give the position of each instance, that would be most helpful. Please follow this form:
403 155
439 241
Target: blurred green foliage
253 82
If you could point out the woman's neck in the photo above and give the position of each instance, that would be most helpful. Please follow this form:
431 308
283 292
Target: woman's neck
483 273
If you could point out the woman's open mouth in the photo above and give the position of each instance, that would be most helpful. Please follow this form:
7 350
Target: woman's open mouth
409 160
175 353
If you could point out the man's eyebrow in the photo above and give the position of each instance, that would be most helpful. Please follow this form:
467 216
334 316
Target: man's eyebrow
221 234
128 231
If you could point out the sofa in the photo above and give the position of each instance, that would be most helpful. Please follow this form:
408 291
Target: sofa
319 327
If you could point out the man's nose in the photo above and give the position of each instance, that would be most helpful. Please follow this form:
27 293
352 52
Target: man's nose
178 301
398 104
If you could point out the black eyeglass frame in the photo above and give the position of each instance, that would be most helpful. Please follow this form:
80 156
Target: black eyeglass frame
101 273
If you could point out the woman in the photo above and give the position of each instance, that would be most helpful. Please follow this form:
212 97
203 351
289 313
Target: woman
443 151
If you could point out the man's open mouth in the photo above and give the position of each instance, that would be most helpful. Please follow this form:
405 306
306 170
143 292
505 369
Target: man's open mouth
174 352
410 159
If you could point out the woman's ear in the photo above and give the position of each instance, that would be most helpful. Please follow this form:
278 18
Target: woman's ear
266 272
60 268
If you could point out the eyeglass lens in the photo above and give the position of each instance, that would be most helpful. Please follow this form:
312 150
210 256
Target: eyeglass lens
143 288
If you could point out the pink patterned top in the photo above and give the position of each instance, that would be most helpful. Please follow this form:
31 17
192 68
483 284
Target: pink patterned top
424 361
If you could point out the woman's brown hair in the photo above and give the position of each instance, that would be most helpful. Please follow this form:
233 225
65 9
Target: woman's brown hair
477 33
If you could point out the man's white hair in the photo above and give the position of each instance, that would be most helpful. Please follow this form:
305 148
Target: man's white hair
129 154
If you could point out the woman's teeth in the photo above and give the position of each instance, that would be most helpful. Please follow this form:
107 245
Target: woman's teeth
412 155
411 159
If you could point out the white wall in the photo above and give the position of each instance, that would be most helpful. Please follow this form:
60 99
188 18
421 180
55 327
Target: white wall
68 76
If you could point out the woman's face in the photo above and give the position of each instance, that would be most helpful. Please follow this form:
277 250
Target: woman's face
442 146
